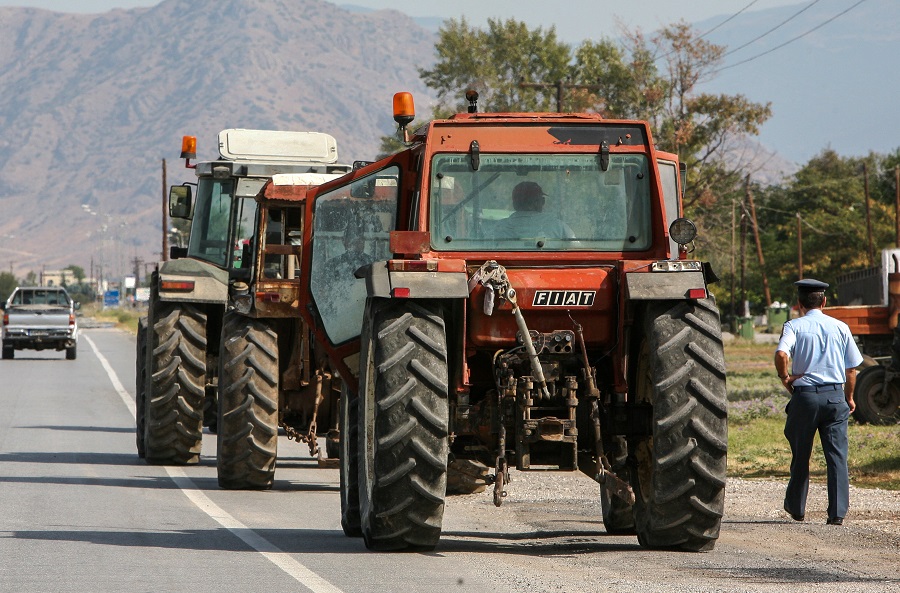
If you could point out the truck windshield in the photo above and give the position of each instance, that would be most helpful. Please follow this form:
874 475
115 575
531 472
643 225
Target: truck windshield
209 228
540 202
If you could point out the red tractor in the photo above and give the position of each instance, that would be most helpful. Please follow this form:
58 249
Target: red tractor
521 296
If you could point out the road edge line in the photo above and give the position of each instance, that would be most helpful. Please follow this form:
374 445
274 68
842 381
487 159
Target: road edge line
292 567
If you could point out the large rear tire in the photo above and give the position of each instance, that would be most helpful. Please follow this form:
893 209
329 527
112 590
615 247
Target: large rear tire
176 378
875 403
140 378
349 463
678 474
403 425
248 404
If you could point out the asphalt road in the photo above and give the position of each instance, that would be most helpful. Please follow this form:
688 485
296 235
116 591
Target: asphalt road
79 512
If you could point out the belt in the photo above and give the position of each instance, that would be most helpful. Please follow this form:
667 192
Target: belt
817 388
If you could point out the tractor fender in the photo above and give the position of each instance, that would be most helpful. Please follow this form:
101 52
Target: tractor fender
657 286
384 283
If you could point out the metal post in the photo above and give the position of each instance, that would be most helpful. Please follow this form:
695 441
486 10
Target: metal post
165 216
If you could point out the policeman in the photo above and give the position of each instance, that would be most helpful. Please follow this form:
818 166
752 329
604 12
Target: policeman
824 358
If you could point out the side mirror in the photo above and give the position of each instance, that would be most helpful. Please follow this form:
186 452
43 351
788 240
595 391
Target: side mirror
180 201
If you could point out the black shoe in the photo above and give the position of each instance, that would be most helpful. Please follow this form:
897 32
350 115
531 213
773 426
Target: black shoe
835 521
793 516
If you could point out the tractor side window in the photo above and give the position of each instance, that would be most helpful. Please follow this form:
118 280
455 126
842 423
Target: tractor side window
284 234
352 225
243 234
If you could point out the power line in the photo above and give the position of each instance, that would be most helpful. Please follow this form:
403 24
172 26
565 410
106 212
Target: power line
773 29
728 19
777 47
702 35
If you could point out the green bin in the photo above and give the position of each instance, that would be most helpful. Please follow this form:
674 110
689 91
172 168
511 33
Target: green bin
775 318
745 327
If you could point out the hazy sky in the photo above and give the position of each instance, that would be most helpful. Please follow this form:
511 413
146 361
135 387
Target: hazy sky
575 20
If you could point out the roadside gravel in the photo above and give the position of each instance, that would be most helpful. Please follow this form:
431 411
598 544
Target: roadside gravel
551 538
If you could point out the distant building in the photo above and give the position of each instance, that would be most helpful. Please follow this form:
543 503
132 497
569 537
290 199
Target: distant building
57 278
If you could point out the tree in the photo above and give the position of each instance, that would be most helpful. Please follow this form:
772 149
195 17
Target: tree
77 271
494 62
8 284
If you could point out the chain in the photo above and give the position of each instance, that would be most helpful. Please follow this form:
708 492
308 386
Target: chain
309 439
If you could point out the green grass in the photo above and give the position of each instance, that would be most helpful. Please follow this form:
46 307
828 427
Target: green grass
756 443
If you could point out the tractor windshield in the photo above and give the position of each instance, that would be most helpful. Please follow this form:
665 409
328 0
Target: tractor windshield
540 202
209 228
221 220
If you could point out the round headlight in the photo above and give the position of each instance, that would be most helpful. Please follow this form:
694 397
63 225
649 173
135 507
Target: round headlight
682 231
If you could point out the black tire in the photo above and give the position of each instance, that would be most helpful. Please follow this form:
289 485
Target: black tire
349 463
9 352
874 404
678 475
71 353
618 516
176 377
140 378
248 404
403 425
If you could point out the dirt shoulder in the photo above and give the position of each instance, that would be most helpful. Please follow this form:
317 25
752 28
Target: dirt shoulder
552 516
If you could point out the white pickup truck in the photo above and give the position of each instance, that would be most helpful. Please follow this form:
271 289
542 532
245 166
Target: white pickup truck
39 318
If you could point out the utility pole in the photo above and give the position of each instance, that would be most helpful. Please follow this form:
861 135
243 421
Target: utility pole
868 216
733 233
165 216
137 271
560 86
745 306
759 252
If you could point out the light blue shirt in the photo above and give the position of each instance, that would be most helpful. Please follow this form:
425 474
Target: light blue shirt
821 348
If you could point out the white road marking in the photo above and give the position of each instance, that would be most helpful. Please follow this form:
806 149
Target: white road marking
270 551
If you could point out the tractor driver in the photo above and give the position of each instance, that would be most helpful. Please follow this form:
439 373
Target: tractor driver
528 219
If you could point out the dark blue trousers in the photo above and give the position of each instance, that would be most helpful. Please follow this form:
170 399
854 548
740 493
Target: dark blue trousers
826 412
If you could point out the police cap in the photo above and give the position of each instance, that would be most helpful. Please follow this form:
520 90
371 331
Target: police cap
810 285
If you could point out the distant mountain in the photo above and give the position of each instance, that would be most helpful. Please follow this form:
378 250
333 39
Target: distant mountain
91 104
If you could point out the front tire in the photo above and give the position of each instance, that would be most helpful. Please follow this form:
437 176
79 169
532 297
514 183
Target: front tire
248 405
140 376
875 402
618 515
678 474
176 379
403 425
349 463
